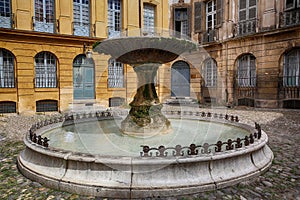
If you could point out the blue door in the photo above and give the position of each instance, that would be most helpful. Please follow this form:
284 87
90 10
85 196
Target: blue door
83 78
180 79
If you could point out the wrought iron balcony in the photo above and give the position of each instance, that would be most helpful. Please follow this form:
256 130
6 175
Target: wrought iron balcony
290 18
246 27
7 20
41 24
209 36
82 29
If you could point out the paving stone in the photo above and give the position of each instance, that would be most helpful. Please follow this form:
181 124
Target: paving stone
281 181
267 184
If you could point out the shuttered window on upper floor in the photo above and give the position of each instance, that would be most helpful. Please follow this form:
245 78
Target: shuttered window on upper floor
210 11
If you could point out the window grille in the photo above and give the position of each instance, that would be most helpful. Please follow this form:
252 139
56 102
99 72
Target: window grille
7 74
247 17
114 18
45 70
46 106
8 107
44 16
292 69
247 71
149 19
81 12
5 14
210 73
115 74
116 101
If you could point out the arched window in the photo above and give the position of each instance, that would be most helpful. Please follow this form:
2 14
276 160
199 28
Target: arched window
45 70
210 73
81 13
115 74
114 18
246 71
44 16
7 74
292 68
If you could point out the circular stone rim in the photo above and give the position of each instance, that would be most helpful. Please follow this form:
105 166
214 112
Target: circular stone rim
63 180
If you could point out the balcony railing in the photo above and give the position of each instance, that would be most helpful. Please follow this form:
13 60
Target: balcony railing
209 36
82 29
246 27
43 24
290 18
7 20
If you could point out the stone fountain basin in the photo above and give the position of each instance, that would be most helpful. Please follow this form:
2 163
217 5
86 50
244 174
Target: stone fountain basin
142 177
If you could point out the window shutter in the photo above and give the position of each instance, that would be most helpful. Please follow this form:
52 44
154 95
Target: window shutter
198 16
219 7
189 13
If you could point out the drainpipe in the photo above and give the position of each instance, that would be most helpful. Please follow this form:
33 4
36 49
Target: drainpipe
140 14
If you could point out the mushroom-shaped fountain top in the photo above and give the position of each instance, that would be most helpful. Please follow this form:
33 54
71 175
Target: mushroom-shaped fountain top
148 49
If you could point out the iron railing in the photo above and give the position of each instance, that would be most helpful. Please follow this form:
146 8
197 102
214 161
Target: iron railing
246 27
83 29
47 25
209 36
290 18
7 20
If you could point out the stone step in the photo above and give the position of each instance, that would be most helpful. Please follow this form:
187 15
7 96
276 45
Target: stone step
85 105
181 101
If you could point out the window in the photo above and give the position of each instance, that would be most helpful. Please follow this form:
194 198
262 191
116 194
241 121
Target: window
149 19
246 71
116 101
292 4
81 12
8 107
46 106
45 70
5 14
291 16
181 22
292 68
115 74
44 16
210 73
210 15
114 18
7 74
247 17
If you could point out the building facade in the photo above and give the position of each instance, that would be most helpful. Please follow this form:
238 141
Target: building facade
46 58
249 52
253 48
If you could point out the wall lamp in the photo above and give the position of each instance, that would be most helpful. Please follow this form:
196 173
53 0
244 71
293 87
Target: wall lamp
87 51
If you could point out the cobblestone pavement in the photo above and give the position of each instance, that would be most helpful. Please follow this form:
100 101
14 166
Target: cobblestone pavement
281 181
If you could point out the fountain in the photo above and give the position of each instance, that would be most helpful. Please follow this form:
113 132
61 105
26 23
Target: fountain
147 153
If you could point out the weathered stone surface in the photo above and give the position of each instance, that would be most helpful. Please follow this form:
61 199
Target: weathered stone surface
282 127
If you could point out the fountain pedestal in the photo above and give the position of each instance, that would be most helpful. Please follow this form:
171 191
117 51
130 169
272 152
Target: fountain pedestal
145 117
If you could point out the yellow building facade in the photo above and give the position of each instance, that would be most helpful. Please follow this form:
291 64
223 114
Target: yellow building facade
46 46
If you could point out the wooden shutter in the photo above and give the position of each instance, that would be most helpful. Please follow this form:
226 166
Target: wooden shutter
198 6
219 7
189 13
